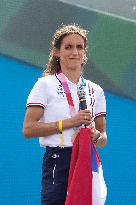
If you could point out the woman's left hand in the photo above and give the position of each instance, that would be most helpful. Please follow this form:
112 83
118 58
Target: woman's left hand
98 138
95 134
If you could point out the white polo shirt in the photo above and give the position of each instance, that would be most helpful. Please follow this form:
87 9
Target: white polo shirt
49 94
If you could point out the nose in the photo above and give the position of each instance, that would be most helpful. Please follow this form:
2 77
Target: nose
75 51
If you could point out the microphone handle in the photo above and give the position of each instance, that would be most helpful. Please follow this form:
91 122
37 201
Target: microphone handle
83 106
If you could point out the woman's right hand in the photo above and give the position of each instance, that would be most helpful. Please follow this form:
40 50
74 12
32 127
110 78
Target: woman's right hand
82 117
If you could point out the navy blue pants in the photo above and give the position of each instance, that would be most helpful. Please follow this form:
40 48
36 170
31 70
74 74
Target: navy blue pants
55 170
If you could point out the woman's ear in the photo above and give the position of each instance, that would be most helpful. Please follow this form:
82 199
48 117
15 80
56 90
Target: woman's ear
56 53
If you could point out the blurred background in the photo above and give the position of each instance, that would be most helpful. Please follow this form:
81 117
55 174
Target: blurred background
26 29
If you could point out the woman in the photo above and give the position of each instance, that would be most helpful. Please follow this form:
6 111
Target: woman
53 113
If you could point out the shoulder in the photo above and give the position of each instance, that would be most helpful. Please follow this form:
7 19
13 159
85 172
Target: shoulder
45 80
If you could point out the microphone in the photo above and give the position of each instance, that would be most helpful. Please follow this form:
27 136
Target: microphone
82 98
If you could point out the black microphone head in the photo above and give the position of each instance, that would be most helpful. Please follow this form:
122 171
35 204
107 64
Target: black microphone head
81 92
82 97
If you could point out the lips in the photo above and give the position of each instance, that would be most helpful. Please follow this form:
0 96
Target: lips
74 58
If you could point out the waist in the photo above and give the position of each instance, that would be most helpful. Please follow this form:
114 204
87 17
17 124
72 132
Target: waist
57 148
55 140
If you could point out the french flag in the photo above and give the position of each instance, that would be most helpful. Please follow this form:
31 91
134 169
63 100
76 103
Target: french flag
86 184
79 190
99 189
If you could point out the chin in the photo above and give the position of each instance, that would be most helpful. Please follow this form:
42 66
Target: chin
75 66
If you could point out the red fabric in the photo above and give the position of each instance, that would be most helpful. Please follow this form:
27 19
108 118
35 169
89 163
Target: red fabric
80 173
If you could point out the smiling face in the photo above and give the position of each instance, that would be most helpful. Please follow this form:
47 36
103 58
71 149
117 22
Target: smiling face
72 52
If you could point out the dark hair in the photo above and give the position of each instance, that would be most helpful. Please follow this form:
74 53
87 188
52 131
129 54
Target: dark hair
53 65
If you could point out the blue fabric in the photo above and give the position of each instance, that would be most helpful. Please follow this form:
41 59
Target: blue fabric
55 170
94 161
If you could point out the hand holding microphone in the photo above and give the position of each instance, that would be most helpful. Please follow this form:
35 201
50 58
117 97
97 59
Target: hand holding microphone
83 117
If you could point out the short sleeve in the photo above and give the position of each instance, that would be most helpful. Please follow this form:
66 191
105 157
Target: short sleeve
100 108
37 96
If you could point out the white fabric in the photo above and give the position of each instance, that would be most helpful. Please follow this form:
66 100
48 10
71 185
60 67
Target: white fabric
48 93
99 189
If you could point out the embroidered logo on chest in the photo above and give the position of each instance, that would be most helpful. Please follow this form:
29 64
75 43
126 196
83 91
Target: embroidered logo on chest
60 91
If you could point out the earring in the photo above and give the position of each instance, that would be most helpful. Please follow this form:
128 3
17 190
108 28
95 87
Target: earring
57 59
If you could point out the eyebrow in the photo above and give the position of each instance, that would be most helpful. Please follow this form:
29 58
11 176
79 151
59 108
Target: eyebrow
70 44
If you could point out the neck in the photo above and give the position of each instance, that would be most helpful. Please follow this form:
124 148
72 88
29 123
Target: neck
72 75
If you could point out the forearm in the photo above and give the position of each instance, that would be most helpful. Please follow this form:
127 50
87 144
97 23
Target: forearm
40 129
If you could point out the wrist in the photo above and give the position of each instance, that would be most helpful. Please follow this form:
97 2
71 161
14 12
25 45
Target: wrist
72 122
57 127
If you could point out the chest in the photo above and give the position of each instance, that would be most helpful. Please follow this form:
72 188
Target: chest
58 99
